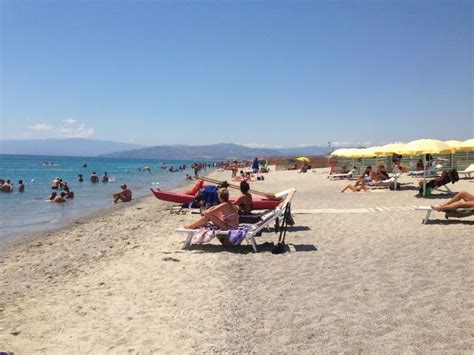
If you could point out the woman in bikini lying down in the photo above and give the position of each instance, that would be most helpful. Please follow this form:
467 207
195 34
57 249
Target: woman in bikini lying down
462 199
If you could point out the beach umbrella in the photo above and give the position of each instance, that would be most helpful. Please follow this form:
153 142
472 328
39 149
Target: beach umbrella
389 149
339 152
426 146
366 152
303 159
467 145
454 144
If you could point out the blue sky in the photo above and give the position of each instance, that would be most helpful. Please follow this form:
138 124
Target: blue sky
273 73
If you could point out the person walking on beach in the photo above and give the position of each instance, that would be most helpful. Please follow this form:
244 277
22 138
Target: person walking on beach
125 195
94 178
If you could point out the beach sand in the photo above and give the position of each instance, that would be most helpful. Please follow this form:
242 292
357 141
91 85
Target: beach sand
355 279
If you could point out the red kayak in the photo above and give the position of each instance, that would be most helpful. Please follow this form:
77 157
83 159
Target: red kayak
185 199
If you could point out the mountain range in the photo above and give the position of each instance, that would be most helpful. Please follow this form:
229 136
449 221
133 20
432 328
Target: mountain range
91 148
225 151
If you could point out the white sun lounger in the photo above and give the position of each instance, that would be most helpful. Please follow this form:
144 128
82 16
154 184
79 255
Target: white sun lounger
460 213
468 172
348 175
267 219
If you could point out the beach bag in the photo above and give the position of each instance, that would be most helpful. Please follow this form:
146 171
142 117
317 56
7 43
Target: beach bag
280 247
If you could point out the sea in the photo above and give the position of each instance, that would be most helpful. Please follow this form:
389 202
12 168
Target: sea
30 211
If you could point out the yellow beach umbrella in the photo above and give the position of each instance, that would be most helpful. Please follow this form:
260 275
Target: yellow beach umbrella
339 152
454 144
426 146
467 145
389 149
351 153
303 159
367 152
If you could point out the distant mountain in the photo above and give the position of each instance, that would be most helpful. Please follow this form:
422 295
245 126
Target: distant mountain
68 147
226 151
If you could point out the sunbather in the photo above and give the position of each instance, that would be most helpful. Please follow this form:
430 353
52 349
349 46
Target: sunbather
358 186
244 202
225 215
382 172
462 199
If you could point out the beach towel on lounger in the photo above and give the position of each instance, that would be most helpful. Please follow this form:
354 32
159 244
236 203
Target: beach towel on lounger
204 234
236 236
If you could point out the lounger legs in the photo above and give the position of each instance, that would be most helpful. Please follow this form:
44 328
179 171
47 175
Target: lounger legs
187 242
427 217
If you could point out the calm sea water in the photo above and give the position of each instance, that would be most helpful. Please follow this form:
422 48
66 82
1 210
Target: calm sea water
30 211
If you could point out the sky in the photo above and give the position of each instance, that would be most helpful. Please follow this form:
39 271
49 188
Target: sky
259 73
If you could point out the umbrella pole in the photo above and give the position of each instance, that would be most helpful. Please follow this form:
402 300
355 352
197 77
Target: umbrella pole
424 175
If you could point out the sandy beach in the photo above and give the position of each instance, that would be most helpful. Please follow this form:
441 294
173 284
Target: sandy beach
362 274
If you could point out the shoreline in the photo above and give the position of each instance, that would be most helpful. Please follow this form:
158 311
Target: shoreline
28 237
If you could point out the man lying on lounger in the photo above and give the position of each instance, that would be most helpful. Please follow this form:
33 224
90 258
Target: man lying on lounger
462 199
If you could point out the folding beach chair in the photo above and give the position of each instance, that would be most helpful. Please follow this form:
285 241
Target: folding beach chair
254 229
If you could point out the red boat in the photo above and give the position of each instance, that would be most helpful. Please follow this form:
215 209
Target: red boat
186 199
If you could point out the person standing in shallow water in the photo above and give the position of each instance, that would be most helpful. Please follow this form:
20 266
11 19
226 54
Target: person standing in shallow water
94 178
105 177
81 179
21 186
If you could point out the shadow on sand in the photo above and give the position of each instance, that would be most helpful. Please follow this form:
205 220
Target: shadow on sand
450 221
247 249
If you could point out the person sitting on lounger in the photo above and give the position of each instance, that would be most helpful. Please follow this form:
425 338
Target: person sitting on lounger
244 202
358 186
462 199
225 215
382 172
